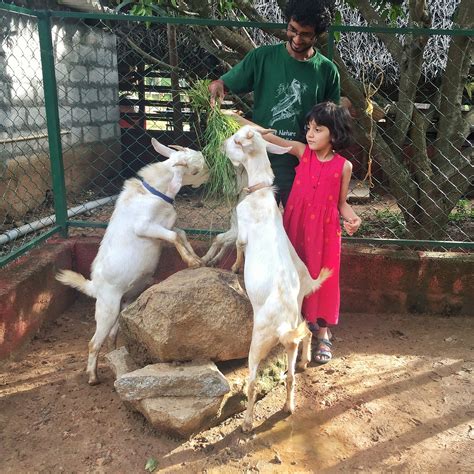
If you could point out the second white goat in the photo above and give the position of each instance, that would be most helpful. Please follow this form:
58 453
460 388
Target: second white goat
276 279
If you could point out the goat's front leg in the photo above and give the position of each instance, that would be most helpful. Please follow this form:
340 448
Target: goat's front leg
222 242
188 247
157 231
237 267
219 245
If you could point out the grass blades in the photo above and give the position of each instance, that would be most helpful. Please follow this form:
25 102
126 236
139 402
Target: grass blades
218 127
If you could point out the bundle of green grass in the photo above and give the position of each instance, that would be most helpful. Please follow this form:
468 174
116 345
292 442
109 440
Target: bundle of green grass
218 127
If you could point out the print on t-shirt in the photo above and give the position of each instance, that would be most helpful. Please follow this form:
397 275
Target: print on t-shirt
289 101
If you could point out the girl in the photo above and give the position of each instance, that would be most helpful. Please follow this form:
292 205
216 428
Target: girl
312 213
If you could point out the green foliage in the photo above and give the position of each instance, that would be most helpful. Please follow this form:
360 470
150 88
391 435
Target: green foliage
225 6
462 212
388 10
272 372
219 127
146 7
469 86
151 465
383 224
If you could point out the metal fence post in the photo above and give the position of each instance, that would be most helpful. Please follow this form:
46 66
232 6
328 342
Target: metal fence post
52 119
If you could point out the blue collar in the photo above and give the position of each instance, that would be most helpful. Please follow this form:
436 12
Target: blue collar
155 192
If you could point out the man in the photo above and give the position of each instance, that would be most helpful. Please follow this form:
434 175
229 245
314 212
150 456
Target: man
287 80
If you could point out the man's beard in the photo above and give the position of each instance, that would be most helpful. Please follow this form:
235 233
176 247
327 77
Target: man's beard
300 49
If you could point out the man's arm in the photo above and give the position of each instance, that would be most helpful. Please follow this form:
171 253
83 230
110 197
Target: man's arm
239 79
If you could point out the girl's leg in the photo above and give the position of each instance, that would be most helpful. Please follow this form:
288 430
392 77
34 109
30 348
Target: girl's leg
323 353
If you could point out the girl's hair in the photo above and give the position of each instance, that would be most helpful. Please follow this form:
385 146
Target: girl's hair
337 119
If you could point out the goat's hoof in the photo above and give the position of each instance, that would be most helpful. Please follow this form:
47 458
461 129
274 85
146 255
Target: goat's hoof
246 426
302 366
195 263
289 407
93 380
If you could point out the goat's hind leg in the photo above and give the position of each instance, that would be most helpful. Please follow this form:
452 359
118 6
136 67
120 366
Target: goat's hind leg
107 310
292 352
259 349
305 352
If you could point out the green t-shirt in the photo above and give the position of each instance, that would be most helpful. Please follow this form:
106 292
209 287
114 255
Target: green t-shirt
285 89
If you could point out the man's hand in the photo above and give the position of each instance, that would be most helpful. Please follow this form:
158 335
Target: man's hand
216 88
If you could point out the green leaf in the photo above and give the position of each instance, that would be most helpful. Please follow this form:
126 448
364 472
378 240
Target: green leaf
158 10
123 4
469 89
151 464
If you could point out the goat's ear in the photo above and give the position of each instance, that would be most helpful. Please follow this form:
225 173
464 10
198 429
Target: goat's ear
276 149
176 181
161 149
178 147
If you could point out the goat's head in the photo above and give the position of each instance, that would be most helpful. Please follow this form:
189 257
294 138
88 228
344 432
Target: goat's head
248 143
194 168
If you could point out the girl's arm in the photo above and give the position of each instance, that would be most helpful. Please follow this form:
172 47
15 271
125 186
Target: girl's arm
297 148
351 219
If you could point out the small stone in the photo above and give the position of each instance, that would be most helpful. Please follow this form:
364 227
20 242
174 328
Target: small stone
276 459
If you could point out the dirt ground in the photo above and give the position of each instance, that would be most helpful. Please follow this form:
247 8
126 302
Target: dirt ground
398 396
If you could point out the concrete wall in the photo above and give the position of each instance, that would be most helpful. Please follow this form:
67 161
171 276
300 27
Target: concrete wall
87 79
372 281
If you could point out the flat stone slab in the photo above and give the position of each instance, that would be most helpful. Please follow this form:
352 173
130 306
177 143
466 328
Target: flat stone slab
193 379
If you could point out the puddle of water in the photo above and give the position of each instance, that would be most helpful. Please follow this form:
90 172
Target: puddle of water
305 442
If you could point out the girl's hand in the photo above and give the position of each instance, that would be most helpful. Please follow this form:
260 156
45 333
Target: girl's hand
232 113
352 225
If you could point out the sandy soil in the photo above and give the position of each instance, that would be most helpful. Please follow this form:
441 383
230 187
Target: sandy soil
397 397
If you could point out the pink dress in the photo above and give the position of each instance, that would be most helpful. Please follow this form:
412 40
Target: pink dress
311 219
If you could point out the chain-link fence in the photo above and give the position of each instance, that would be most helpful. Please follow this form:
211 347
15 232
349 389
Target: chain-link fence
83 94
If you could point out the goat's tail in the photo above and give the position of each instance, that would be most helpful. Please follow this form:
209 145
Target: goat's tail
324 274
76 280
294 336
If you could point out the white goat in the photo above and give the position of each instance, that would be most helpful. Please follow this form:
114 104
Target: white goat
276 279
143 217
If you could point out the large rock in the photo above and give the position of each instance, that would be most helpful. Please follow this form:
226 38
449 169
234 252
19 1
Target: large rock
194 314
170 380
179 416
